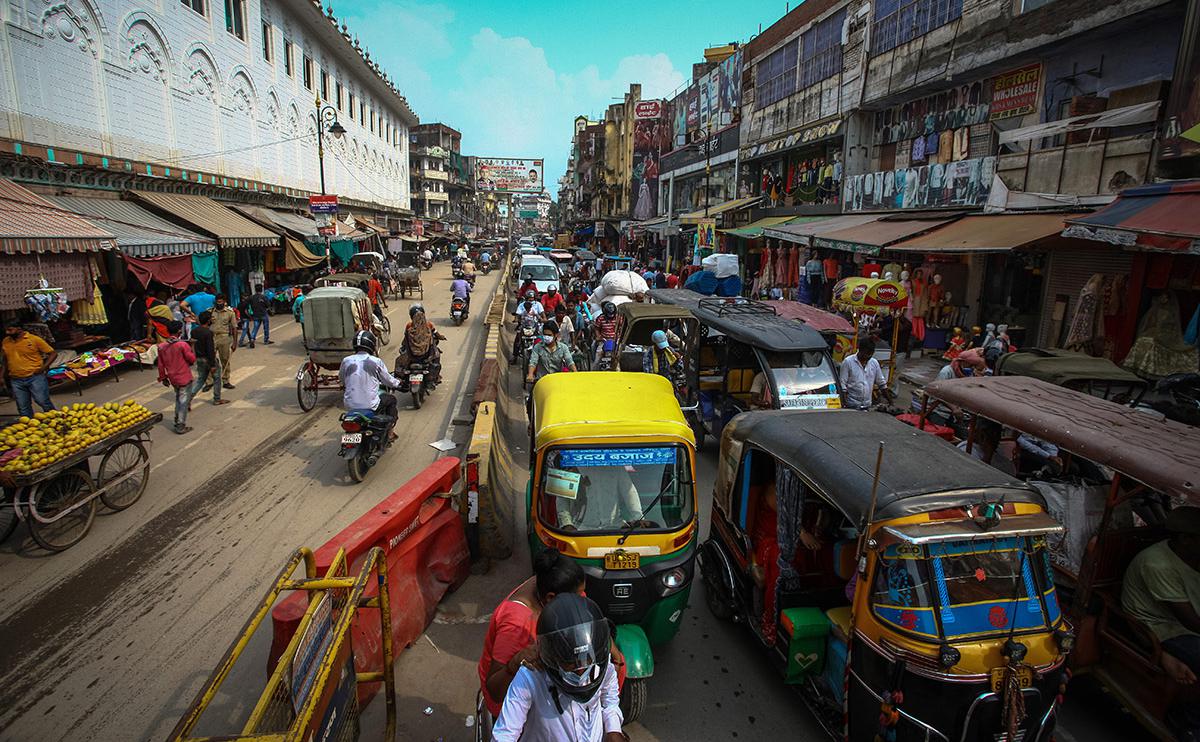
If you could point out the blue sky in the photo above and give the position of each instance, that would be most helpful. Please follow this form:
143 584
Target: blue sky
512 76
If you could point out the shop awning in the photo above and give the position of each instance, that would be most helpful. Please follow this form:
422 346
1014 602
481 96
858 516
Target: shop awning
1160 217
140 233
986 233
297 256
32 224
228 227
287 222
803 233
171 270
871 237
694 217
755 229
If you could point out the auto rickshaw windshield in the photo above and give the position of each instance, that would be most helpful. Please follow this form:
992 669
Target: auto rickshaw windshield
801 372
966 589
602 489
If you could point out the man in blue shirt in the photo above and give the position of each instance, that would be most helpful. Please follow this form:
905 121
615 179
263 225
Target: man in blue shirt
199 302
460 288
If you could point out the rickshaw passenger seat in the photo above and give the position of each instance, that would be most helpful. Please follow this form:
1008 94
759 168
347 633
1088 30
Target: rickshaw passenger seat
839 621
739 380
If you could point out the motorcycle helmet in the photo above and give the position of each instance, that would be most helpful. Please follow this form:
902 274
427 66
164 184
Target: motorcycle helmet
573 641
608 308
530 296
364 341
416 307
551 289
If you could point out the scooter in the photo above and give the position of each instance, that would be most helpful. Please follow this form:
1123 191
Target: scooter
486 268
364 439
458 309
415 382
424 263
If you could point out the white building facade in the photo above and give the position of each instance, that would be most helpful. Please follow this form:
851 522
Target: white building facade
227 87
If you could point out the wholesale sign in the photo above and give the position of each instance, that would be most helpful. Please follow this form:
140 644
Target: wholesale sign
1015 93
500 175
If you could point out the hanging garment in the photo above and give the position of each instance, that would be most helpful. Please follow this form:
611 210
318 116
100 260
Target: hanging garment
1086 327
1192 336
1160 349
89 311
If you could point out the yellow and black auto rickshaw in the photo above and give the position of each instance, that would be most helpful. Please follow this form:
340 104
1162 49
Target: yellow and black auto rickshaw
612 485
907 595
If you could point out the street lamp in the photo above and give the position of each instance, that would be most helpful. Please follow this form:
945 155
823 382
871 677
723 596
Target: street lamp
326 121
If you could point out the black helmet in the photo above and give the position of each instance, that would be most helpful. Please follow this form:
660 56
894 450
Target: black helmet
608 308
416 307
573 644
365 341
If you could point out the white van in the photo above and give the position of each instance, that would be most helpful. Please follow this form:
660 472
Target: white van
544 271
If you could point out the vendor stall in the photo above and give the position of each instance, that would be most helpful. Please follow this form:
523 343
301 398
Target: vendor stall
872 297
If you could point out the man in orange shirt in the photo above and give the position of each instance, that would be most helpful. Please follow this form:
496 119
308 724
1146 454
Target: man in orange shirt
375 294
27 358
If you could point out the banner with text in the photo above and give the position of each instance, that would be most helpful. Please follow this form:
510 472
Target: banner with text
502 175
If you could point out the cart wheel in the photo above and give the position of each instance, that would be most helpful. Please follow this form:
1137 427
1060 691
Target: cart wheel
306 389
55 496
126 457
634 697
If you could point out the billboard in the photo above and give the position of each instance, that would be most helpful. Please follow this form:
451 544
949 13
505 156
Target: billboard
1181 129
651 137
508 175
710 104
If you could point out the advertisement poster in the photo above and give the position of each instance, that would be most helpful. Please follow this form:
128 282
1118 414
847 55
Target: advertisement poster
706 234
950 184
502 175
1015 93
679 117
730 84
651 137
693 110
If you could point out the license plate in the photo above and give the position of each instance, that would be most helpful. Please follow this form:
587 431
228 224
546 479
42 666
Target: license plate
622 560
351 438
806 402
1024 678
416 378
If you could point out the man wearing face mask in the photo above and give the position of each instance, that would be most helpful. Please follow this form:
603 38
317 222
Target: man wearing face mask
224 329
550 356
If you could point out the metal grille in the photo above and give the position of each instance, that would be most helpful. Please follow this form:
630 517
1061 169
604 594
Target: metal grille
1068 272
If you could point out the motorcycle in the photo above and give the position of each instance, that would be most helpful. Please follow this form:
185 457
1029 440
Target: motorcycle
607 350
525 340
486 268
416 384
457 272
424 263
364 439
458 309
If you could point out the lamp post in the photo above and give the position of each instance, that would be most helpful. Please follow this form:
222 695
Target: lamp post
326 121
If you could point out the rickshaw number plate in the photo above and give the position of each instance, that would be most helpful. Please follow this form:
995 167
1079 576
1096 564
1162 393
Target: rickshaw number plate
622 560
1024 678
805 402
351 437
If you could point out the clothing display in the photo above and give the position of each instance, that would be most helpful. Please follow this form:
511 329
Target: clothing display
1160 349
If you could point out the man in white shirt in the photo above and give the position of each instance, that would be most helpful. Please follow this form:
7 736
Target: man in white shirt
860 375
362 374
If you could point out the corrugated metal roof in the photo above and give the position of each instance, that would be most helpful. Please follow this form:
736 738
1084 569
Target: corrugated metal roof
295 224
30 223
230 228
872 236
140 233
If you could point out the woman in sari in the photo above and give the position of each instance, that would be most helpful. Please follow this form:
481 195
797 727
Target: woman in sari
420 344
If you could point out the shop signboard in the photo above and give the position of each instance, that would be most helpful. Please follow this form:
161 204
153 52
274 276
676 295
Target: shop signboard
647 109
706 234
527 214
936 186
509 175
599 233
1015 93
323 204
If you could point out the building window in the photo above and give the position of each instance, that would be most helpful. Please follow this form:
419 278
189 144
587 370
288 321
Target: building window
900 21
268 38
1024 6
289 58
362 113
235 18
308 72
198 5
324 85
352 106
338 87
372 122
775 77
821 50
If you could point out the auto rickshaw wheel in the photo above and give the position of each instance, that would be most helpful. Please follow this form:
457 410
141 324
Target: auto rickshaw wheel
719 604
634 697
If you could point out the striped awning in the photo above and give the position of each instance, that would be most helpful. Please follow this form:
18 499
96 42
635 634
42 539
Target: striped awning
31 224
226 226
1161 217
140 233
281 221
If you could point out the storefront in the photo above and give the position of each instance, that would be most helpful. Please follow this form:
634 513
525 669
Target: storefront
803 167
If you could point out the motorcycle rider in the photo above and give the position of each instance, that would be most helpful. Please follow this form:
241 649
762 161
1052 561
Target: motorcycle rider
529 313
528 286
362 374
420 344
604 328
460 288
574 695
485 260
549 356
552 299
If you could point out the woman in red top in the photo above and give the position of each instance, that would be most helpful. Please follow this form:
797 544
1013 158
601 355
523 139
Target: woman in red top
509 641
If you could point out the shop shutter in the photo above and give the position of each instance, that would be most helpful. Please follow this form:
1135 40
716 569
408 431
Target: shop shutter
1068 272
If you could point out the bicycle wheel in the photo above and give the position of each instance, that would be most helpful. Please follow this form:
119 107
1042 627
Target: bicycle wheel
127 459
56 497
306 388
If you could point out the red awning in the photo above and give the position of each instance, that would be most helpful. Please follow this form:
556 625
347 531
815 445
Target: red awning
818 319
31 224
1163 217
175 270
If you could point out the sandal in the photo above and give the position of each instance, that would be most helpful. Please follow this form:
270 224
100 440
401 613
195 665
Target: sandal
220 401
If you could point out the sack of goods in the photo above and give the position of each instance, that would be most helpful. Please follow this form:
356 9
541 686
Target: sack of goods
626 283
722 265
599 296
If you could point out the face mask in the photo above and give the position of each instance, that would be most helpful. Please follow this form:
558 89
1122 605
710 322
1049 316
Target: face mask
547 339
581 678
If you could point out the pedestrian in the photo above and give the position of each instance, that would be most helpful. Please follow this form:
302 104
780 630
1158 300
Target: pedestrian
207 359
158 314
224 329
861 375
298 305
375 296
243 322
175 361
27 358
259 311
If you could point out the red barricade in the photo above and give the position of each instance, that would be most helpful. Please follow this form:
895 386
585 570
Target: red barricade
427 557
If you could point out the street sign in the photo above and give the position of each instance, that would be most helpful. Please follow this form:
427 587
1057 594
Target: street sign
323 204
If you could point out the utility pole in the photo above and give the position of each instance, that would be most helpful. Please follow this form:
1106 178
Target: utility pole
326 119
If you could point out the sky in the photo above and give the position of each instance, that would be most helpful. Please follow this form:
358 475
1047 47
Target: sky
512 76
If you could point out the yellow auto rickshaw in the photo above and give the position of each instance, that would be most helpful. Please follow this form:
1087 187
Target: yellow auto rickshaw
612 485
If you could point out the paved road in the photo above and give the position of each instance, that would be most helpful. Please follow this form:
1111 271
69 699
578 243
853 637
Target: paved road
111 639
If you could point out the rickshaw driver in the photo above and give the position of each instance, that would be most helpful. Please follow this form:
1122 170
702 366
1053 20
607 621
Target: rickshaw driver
362 374
607 500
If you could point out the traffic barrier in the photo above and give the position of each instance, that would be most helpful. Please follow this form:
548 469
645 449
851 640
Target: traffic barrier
426 554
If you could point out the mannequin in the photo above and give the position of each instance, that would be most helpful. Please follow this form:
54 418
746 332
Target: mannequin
989 335
908 289
936 296
1002 340
958 343
919 302
976 337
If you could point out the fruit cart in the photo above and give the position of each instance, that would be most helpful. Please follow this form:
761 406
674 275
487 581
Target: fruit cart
56 492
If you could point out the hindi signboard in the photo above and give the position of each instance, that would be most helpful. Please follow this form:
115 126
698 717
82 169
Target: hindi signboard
507 175
323 204
1015 93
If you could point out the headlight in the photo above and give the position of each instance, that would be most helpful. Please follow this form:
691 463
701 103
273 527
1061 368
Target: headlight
948 656
673 579
1066 639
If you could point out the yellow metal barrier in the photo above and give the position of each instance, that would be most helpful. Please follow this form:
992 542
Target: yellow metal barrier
296 696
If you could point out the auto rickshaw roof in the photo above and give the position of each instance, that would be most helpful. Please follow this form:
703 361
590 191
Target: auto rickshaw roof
335 292
760 329
1161 454
679 297
600 404
633 310
836 451
818 319
1063 367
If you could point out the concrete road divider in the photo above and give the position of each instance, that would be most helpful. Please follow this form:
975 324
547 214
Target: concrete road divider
425 547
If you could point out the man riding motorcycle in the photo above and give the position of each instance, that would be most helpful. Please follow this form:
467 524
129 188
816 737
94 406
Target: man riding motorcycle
460 288
549 356
552 299
362 374
528 286
528 313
